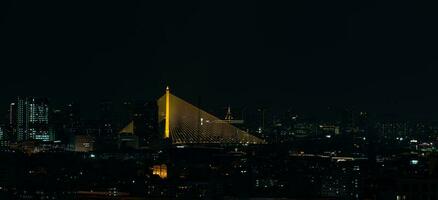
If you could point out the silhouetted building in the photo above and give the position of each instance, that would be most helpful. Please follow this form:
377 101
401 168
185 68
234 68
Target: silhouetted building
66 122
128 141
106 117
145 122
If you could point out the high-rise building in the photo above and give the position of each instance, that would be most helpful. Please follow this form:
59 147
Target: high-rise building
145 122
22 118
106 117
13 114
12 128
66 122
141 127
1 133
39 120
32 119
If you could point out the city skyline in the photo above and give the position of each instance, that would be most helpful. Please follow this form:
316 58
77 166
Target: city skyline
90 109
218 100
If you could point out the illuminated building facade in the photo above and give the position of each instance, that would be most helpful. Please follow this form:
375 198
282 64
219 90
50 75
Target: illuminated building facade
160 170
33 119
2 135
22 118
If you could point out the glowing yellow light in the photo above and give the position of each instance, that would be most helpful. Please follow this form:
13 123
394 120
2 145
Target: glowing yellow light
167 123
186 124
160 170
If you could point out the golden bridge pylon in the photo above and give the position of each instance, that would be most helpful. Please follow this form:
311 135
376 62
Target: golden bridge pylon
185 123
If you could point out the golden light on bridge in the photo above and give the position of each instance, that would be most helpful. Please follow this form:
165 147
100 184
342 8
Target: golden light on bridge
167 117
185 123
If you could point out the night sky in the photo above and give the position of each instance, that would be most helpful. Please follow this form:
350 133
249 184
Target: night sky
374 55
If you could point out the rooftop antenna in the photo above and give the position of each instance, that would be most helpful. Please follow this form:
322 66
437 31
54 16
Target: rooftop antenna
228 117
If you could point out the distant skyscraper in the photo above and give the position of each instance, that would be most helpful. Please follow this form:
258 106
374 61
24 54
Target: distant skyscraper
1 133
22 118
32 119
145 122
65 122
39 120
106 117
12 128
13 115
72 111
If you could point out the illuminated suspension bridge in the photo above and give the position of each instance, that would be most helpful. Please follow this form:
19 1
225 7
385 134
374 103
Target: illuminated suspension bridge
185 123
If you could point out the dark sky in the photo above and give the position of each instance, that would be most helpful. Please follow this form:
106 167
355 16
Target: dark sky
375 55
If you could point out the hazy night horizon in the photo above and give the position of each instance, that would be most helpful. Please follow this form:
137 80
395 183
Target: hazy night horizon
328 54
218 100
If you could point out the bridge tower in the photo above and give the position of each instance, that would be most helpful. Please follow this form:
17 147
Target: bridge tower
228 117
167 117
